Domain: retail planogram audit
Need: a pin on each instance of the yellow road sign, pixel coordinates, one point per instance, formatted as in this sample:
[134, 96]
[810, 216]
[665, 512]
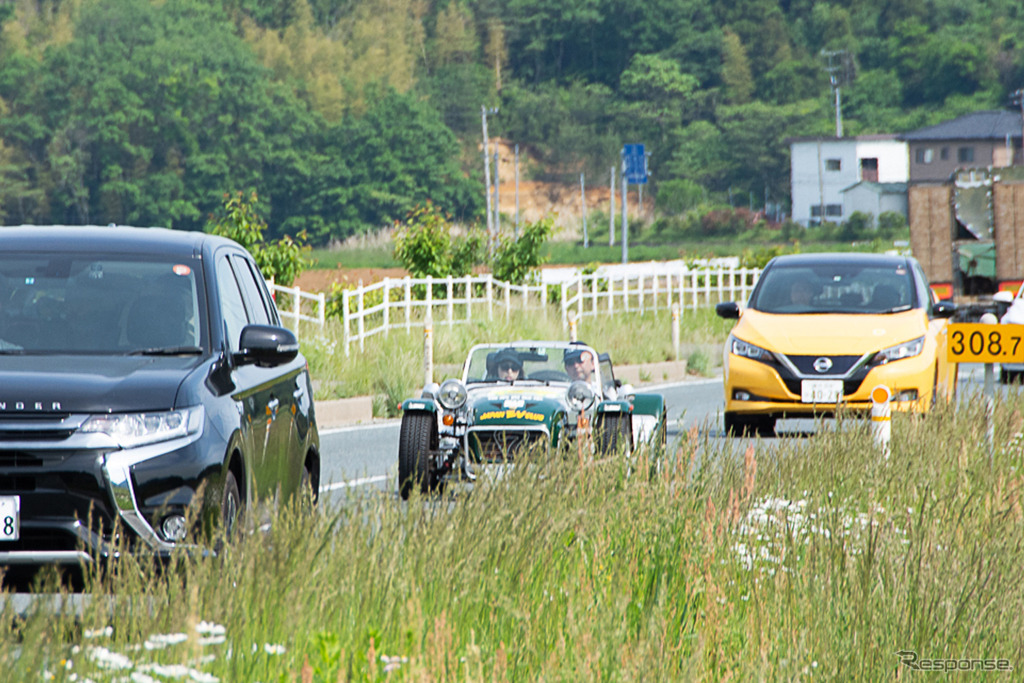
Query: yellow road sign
[983, 343]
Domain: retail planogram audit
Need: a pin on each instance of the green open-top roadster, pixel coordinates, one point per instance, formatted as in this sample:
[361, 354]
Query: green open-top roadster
[520, 400]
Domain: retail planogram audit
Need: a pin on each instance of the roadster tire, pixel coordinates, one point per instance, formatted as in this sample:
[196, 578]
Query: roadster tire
[418, 436]
[615, 431]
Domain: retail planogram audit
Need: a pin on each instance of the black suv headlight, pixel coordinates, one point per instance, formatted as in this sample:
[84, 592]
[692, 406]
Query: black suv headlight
[907, 349]
[131, 430]
[739, 347]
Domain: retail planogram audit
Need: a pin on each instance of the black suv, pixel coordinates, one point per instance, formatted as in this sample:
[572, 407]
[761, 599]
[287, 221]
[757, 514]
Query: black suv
[146, 385]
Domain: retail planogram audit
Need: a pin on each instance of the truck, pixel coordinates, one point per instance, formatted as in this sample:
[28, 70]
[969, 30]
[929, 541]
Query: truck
[968, 235]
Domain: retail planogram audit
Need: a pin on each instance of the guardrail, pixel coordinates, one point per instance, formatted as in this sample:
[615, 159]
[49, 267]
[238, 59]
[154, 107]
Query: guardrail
[413, 302]
[593, 294]
[295, 305]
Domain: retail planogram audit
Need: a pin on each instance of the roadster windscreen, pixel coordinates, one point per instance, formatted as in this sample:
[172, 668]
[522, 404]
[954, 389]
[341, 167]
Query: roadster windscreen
[531, 363]
[81, 303]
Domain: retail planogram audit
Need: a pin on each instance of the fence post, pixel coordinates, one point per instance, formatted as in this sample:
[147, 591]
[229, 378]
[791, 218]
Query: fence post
[675, 330]
[611, 295]
[565, 319]
[322, 303]
[428, 349]
[640, 282]
[572, 326]
[430, 299]
[408, 302]
[451, 301]
[346, 318]
[490, 296]
[580, 292]
[297, 309]
[694, 288]
[387, 307]
[362, 318]
[469, 298]
[508, 299]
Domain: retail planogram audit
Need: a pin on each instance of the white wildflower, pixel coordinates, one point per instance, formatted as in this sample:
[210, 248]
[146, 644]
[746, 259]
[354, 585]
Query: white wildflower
[106, 659]
[99, 632]
[161, 640]
[206, 628]
[272, 649]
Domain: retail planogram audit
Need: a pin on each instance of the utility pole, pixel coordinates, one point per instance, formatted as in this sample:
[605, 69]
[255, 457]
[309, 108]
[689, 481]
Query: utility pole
[625, 221]
[484, 111]
[840, 71]
[497, 196]
[583, 211]
[515, 228]
[611, 214]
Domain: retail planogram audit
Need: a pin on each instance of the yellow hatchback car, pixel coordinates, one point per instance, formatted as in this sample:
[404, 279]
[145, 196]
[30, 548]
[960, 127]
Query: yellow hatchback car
[820, 331]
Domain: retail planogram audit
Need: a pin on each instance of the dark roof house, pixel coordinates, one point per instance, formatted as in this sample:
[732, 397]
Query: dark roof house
[978, 139]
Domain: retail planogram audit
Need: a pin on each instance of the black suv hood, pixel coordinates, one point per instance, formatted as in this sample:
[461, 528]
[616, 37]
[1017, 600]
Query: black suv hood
[35, 384]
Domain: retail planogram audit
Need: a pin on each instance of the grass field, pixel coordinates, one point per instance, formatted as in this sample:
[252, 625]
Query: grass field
[788, 559]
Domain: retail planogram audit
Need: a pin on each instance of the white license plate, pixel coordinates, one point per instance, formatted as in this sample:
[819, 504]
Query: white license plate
[829, 391]
[10, 518]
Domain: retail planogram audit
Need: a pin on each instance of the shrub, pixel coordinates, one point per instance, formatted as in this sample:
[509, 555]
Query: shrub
[282, 260]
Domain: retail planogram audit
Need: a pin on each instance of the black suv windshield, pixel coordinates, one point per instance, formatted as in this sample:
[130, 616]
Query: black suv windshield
[94, 303]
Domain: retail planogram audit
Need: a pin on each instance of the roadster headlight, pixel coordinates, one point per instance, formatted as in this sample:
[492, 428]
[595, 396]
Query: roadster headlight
[452, 394]
[580, 395]
[138, 429]
[748, 350]
[908, 349]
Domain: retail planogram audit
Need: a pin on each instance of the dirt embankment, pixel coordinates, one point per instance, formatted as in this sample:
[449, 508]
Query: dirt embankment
[536, 200]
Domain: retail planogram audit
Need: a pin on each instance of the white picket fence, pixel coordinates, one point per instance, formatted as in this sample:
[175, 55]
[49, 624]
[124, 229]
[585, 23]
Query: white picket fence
[409, 302]
[413, 302]
[297, 306]
[596, 294]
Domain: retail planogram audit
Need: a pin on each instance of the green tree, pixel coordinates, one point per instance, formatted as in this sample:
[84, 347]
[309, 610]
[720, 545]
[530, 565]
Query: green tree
[240, 221]
[423, 244]
[739, 82]
[517, 260]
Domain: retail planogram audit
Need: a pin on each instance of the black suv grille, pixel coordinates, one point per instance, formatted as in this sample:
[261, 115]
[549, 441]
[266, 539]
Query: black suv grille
[49, 427]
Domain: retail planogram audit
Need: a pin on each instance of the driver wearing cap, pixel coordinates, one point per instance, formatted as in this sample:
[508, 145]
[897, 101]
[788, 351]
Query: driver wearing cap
[579, 363]
[509, 366]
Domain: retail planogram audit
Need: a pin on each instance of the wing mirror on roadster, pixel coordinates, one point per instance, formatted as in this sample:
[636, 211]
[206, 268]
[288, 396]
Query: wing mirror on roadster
[267, 346]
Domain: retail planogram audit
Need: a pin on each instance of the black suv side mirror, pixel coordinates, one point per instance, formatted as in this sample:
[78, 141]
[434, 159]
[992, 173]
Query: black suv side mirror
[266, 346]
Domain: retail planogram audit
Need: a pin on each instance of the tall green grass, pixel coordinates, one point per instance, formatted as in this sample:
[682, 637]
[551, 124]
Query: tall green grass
[391, 367]
[788, 559]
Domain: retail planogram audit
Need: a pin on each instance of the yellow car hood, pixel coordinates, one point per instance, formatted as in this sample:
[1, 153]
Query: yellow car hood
[828, 333]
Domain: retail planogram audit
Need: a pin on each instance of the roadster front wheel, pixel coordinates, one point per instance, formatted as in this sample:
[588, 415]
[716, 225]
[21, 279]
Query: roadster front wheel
[416, 439]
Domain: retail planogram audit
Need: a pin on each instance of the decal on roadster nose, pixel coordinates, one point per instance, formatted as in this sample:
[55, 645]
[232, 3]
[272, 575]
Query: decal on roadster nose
[511, 415]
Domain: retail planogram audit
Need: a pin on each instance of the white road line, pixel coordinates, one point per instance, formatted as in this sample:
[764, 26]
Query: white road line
[354, 482]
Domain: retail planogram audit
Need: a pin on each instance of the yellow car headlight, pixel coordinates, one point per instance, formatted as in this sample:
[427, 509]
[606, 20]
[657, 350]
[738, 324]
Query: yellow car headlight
[739, 347]
[908, 349]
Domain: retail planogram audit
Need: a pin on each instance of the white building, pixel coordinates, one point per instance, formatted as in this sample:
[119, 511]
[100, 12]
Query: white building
[821, 168]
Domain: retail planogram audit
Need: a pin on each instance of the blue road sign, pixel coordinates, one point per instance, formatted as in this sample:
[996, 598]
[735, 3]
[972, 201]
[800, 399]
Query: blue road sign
[634, 164]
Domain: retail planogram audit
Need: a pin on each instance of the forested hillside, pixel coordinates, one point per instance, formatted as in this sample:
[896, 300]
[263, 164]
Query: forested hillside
[344, 114]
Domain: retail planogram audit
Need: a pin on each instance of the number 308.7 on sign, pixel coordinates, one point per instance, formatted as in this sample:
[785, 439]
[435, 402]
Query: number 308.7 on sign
[981, 343]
